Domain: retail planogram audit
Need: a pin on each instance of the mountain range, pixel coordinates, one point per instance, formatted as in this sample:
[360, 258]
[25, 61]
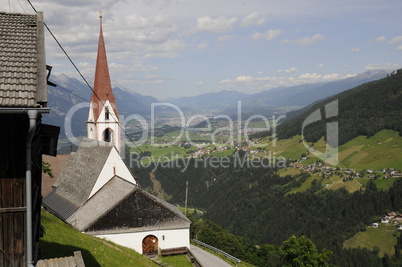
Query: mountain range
[276, 100]
[70, 91]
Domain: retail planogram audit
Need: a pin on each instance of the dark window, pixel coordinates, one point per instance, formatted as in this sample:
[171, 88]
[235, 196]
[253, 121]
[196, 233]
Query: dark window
[107, 135]
[106, 114]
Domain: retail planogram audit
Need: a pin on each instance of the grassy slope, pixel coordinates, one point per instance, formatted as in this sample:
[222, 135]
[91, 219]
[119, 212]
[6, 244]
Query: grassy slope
[177, 260]
[382, 150]
[61, 240]
[384, 237]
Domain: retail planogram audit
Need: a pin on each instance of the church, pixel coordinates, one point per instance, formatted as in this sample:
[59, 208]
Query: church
[96, 192]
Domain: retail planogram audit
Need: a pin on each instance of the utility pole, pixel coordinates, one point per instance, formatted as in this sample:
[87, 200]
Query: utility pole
[185, 203]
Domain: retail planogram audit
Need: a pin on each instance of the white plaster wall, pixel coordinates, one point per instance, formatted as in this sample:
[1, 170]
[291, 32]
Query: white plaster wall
[113, 163]
[173, 238]
[103, 124]
[91, 123]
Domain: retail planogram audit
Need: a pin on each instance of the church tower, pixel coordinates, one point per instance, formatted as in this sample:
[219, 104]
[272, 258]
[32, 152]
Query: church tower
[103, 118]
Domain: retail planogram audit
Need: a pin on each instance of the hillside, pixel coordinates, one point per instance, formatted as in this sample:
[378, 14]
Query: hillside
[381, 150]
[363, 110]
[285, 202]
[384, 237]
[61, 240]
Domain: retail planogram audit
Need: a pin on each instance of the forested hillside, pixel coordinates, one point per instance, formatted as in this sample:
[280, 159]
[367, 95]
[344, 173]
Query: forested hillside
[265, 209]
[253, 202]
[363, 110]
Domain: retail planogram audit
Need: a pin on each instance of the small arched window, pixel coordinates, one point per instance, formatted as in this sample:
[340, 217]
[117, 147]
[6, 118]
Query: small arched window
[107, 114]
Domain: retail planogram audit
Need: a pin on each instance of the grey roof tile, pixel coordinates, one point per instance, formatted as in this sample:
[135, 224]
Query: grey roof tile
[18, 59]
[59, 205]
[111, 195]
[82, 169]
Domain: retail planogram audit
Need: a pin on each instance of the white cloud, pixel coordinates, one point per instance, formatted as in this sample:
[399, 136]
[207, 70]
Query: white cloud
[268, 35]
[203, 45]
[400, 48]
[332, 76]
[218, 25]
[167, 49]
[395, 40]
[292, 69]
[263, 83]
[349, 76]
[244, 79]
[143, 29]
[305, 40]
[200, 83]
[252, 19]
[355, 50]
[320, 66]
[312, 76]
[379, 39]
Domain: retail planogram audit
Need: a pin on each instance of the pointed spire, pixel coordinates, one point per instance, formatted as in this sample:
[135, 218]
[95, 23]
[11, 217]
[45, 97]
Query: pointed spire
[102, 84]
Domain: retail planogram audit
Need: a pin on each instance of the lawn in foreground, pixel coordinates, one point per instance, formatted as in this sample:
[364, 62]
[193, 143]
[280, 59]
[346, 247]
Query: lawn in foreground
[61, 240]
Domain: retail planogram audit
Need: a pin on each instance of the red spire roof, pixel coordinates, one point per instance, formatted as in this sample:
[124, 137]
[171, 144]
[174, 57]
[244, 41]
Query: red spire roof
[102, 85]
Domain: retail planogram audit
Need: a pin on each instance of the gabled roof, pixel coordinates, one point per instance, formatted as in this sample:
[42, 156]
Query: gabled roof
[119, 192]
[82, 169]
[104, 200]
[22, 60]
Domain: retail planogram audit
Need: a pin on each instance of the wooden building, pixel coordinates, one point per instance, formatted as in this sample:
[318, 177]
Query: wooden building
[23, 98]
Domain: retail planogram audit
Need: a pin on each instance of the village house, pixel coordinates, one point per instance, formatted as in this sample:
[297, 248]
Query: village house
[24, 138]
[385, 219]
[97, 194]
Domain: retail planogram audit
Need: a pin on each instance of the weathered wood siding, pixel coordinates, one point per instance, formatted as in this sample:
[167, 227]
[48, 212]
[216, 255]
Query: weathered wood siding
[12, 190]
[137, 210]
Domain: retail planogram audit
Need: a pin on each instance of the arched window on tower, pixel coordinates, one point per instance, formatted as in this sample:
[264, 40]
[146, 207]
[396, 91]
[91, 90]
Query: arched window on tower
[107, 114]
[107, 135]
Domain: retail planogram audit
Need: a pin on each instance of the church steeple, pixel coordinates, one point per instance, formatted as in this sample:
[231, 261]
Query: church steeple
[103, 116]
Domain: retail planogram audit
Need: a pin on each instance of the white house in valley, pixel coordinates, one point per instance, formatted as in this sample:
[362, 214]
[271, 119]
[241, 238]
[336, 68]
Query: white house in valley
[97, 194]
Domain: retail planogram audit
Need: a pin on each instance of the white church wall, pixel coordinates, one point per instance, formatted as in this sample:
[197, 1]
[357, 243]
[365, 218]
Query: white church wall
[114, 165]
[166, 238]
[102, 124]
[91, 123]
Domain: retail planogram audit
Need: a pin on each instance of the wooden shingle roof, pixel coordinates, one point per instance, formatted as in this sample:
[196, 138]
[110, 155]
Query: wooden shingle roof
[73, 261]
[81, 170]
[117, 192]
[22, 60]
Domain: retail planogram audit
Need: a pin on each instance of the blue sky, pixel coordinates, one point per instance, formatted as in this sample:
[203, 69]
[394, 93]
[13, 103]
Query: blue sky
[172, 48]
